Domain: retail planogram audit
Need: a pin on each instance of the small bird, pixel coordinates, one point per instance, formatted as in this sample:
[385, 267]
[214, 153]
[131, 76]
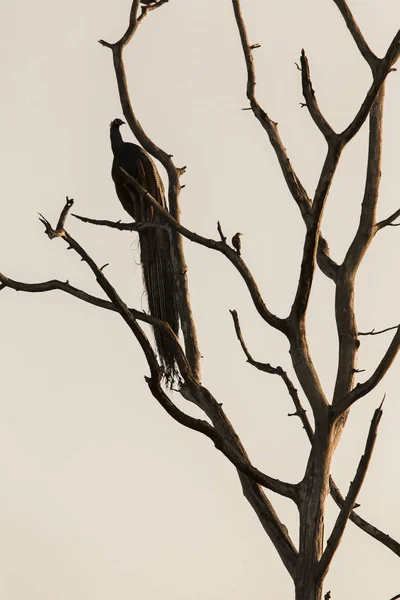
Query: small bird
[236, 243]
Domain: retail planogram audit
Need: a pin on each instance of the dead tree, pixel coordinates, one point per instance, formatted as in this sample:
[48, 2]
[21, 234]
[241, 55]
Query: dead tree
[308, 563]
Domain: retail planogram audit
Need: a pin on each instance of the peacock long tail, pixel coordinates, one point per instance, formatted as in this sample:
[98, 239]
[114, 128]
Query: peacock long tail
[159, 281]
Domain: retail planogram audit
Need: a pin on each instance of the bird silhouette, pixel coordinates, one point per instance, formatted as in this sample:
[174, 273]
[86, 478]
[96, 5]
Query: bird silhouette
[155, 243]
[236, 242]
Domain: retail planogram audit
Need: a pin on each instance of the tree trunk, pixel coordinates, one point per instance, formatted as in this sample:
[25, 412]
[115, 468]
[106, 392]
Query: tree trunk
[313, 492]
[308, 587]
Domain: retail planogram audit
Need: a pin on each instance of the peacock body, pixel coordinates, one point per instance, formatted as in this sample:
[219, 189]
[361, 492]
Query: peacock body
[155, 243]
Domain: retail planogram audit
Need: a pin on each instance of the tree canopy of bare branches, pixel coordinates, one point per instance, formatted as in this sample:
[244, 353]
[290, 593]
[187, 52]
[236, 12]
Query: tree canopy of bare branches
[308, 562]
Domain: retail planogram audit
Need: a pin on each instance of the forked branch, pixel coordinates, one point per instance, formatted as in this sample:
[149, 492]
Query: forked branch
[354, 489]
[300, 412]
[362, 389]
[371, 530]
[327, 265]
[154, 381]
[296, 188]
[311, 101]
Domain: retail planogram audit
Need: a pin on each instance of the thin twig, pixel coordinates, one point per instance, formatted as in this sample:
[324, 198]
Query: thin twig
[64, 213]
[221, 234]
[373, 332]
[311, 101]
[121, 226]
[389, 221]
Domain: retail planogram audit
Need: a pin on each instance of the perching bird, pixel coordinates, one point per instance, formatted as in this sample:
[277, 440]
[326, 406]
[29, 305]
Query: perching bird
[155, 243]
[236, 243]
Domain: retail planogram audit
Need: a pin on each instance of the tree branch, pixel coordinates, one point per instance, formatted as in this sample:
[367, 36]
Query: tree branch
[271, 524]
[311, 101]
[371, 530]
[66, 287]
[336, 145]
[389, 221]
[267, 368]
[275, 485]
[221, 233]
[356, 33]
[307, 269]
[354, 489]
[301, 359]
[380, 73]
[312, 217]
[299, 194]
[122, 226]
[344, 301]
[326, 264]
[150, 5]
[373, 332]
[297, 190]
[276, 530]
[362, 389]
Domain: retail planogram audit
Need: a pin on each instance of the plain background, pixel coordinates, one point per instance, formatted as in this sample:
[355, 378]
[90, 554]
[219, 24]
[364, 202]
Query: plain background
[102, 494]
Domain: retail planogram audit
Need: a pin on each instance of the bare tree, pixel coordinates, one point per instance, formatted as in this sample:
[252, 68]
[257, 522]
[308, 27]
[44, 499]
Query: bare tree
[309, 563]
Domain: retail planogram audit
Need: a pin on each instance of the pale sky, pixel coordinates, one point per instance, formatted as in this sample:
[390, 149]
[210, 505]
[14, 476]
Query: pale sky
[103, 495]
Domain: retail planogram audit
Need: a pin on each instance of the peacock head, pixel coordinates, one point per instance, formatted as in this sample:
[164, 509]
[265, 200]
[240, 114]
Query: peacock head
[117, 123]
